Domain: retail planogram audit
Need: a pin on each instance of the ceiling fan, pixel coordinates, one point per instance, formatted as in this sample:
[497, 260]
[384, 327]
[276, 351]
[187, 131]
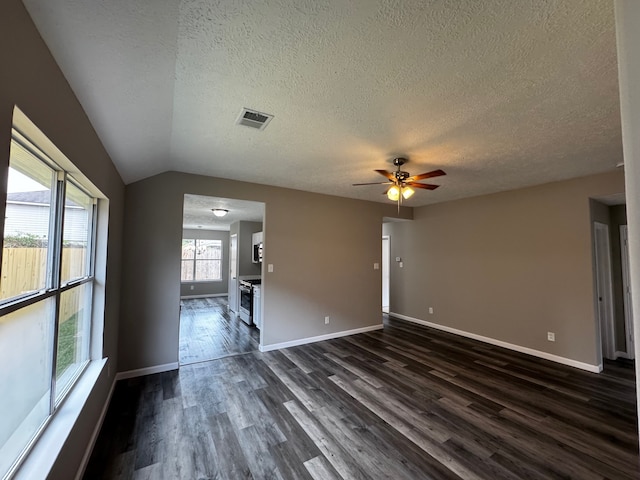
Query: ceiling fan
[402, 184]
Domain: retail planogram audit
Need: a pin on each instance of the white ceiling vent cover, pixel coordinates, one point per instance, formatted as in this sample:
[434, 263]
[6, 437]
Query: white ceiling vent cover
[254, 119]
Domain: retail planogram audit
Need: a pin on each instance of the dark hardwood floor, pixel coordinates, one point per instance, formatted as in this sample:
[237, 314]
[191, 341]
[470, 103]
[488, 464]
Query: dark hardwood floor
[406, 402]
[207, 332]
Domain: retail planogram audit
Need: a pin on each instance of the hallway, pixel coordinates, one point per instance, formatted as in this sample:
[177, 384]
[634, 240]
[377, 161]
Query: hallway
[207, 332]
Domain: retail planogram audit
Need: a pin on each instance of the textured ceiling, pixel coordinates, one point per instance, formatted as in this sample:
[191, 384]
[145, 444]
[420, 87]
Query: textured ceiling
[500, 94]
[197, 212]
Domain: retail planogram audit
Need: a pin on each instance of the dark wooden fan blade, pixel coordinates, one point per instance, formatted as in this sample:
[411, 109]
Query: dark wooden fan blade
[422, 176]
[384, 173]
[426, 186]
[370, 183]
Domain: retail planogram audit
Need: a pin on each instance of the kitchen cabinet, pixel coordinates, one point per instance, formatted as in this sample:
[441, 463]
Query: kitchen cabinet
[257, 309]
[256, 247]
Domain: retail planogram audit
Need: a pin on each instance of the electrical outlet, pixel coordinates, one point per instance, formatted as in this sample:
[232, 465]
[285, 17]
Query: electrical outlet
[401, 264]
[431, 310]
[376, 266]
[551, 336]
[326, 320]
[270, 268]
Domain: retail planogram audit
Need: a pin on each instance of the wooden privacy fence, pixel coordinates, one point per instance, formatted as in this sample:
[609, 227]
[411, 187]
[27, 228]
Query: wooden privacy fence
[24, 269]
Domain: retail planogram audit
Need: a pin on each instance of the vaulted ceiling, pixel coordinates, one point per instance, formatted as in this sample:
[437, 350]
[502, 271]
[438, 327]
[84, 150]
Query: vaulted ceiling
[500, 94]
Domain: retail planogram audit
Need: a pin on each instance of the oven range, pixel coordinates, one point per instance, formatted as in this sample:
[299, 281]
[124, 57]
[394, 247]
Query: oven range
[246, 299]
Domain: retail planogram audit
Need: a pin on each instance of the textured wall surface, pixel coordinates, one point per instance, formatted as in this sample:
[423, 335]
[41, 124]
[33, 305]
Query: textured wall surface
[31, 80]
[510, 266]
[322, 247]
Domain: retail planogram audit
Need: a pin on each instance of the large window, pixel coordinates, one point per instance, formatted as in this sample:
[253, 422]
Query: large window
[46, 284]
[201, 260]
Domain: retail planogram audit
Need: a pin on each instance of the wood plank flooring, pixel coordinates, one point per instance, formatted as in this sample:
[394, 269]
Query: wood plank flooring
[406, 402]
[207, 331]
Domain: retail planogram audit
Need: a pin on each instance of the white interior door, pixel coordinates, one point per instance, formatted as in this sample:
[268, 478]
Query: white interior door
[626, 286]
[386, 256]
[604, 290]
[233, 274]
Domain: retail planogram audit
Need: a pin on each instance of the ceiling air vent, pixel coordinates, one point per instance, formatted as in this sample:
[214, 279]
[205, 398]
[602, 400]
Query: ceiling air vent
[254, 119]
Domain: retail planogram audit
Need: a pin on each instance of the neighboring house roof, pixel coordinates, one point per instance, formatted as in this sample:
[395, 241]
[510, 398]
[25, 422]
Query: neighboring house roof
[39, 197]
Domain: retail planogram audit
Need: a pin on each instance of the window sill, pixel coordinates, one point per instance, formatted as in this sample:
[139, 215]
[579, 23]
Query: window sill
[44, 453]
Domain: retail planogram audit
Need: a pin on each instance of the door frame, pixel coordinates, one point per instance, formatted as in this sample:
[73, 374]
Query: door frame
[233, 302]
[626, 292]
[386, 272]
[604, 290]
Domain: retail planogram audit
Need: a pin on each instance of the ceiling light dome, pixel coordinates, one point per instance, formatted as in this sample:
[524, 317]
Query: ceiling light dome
[219, 212]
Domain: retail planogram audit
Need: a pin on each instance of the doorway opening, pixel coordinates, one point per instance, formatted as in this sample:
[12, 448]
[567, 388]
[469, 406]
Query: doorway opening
[216, 255]
[611, 284]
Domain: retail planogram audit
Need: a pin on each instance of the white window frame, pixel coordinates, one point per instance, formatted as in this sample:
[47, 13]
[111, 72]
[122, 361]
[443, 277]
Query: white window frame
[54, 287]
[196, 260]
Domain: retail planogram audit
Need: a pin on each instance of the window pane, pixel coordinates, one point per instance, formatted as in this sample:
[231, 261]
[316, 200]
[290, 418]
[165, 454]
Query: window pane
[188, 249]
[73, 334]
[209, 249]
[76, 234]
[208, 270]
[26, 230]
[26, 353]
[187, 271]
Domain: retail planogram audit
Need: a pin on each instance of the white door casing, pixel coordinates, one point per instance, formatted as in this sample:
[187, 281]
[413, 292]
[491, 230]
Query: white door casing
[233, 274]
[626, 286]
[386, 258]
[604, 292]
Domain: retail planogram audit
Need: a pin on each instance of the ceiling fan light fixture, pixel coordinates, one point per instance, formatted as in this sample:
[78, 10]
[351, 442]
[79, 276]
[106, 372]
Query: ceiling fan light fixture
[219, 212]
[407, 192]
[393, 193]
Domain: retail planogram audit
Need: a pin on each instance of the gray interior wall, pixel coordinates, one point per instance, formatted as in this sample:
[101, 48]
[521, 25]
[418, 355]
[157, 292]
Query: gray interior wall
[244, 230]
[323, 249]
[209, 288]
[509, 266]
[32, 81]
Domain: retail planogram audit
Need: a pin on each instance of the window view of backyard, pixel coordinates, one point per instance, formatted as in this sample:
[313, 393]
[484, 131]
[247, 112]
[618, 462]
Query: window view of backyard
[41, 262]
[201, 260]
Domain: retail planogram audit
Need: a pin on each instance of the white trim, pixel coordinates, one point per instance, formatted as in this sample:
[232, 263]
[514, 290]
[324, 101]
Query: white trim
[626, 293]
[319, 338]
[603, 289]
[518, 348]
[44, 454]
[139, 372]
[621, 355]
[96, 432]
[206, 295]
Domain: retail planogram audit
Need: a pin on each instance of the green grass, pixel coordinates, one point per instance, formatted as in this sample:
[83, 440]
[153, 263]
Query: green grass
[67, 343]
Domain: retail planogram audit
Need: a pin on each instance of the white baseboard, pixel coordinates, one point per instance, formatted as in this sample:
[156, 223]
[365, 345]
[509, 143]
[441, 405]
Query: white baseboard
[96, 432]
[147, 371]
[518, 348]
[621, 355]
[205, 295]
[319, 338]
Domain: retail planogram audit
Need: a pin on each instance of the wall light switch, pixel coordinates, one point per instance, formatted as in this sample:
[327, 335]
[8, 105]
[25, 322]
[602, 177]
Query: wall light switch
[270, 268]
[376, 266]
[398, 259]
